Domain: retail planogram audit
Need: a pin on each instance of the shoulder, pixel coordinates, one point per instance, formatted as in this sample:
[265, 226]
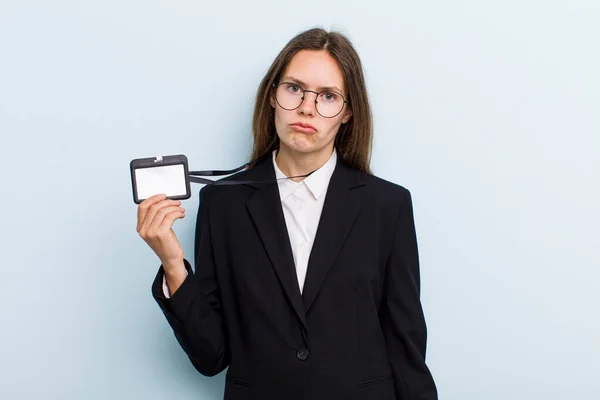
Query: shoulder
[392, 201]
[386, 192]
[218, 193]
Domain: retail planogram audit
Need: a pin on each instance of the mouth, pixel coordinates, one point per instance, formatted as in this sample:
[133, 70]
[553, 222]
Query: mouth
[305, 128]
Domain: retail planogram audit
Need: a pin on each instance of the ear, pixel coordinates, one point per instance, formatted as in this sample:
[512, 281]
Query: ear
[347, 116]
[272, 99]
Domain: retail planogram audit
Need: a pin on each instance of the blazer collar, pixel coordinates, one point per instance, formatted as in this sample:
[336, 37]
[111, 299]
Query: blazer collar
[340, 209]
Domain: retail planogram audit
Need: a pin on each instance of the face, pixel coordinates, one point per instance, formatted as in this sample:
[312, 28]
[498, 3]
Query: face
[304, 129]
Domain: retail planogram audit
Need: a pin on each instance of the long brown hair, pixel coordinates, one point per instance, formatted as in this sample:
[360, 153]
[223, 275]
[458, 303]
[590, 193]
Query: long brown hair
[354, 140]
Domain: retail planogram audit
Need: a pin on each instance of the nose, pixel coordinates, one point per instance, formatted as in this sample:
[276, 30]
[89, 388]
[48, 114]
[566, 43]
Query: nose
[308, 106]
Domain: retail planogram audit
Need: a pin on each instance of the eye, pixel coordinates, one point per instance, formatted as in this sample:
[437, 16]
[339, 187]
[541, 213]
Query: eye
[293, 88]
[330, 96]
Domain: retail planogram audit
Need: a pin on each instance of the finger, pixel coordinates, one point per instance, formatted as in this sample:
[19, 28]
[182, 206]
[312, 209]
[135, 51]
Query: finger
[145, 205]
[159, 217]
[154, 210]
[170, 218]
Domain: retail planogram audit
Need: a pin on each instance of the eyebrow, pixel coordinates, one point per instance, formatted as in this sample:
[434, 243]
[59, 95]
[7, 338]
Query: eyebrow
[298, 81]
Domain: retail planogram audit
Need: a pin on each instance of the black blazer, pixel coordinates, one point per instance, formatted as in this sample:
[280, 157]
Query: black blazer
[356, 332]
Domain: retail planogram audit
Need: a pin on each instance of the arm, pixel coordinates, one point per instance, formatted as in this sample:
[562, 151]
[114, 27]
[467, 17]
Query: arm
[401, 313]
[194, 309]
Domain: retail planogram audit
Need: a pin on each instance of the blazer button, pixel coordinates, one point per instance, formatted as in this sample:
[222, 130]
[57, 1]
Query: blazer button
[303, 354]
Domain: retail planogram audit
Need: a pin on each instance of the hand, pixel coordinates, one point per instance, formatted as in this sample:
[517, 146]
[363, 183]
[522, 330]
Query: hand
[156, 215]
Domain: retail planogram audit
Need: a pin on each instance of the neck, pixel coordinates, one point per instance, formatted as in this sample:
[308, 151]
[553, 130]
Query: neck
[293, 163]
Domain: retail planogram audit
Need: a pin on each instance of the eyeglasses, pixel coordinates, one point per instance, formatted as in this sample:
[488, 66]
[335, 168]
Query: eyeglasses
[290, 96]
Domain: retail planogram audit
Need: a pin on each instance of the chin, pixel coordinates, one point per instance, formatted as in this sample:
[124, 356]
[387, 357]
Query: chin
[301, 146]
[299, 143]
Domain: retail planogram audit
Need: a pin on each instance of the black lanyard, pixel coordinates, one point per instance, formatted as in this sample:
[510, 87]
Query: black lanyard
[194, 176]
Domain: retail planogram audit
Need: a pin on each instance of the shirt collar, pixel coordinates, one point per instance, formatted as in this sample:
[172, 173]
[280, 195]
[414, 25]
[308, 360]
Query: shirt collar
[316, 183]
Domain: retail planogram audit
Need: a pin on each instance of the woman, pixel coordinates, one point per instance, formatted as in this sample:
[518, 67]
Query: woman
[308, 287]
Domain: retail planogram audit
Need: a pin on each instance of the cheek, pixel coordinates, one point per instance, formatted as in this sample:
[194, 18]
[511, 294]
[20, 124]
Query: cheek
[278, 117]
[280, 124]
[282, 119]
[333, 126]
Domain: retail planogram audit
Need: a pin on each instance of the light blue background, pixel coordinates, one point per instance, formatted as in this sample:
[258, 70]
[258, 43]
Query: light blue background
[488, 111]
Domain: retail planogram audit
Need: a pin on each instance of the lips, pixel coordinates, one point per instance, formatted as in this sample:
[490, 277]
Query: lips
[306, 128]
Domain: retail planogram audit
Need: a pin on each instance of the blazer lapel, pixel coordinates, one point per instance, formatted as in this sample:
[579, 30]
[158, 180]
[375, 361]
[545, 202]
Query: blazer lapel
[267, 213]
[340, 209]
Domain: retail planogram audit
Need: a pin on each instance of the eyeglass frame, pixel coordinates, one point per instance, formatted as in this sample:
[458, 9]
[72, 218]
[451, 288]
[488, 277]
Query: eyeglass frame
[276, 86]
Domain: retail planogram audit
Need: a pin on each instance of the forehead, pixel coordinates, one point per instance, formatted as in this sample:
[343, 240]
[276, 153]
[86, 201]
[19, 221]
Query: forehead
[316, 68]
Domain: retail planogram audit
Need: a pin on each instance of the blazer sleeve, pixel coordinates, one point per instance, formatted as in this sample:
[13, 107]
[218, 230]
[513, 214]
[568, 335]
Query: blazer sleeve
[194, 310]
[401, 313]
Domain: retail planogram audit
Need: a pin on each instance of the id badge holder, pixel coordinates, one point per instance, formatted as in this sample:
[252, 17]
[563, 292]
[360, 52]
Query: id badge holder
[154, 175]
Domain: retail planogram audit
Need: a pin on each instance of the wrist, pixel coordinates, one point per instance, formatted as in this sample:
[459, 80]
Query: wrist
[174, 268]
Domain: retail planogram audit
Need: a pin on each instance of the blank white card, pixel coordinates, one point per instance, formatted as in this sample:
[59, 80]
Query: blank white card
[169, 179]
